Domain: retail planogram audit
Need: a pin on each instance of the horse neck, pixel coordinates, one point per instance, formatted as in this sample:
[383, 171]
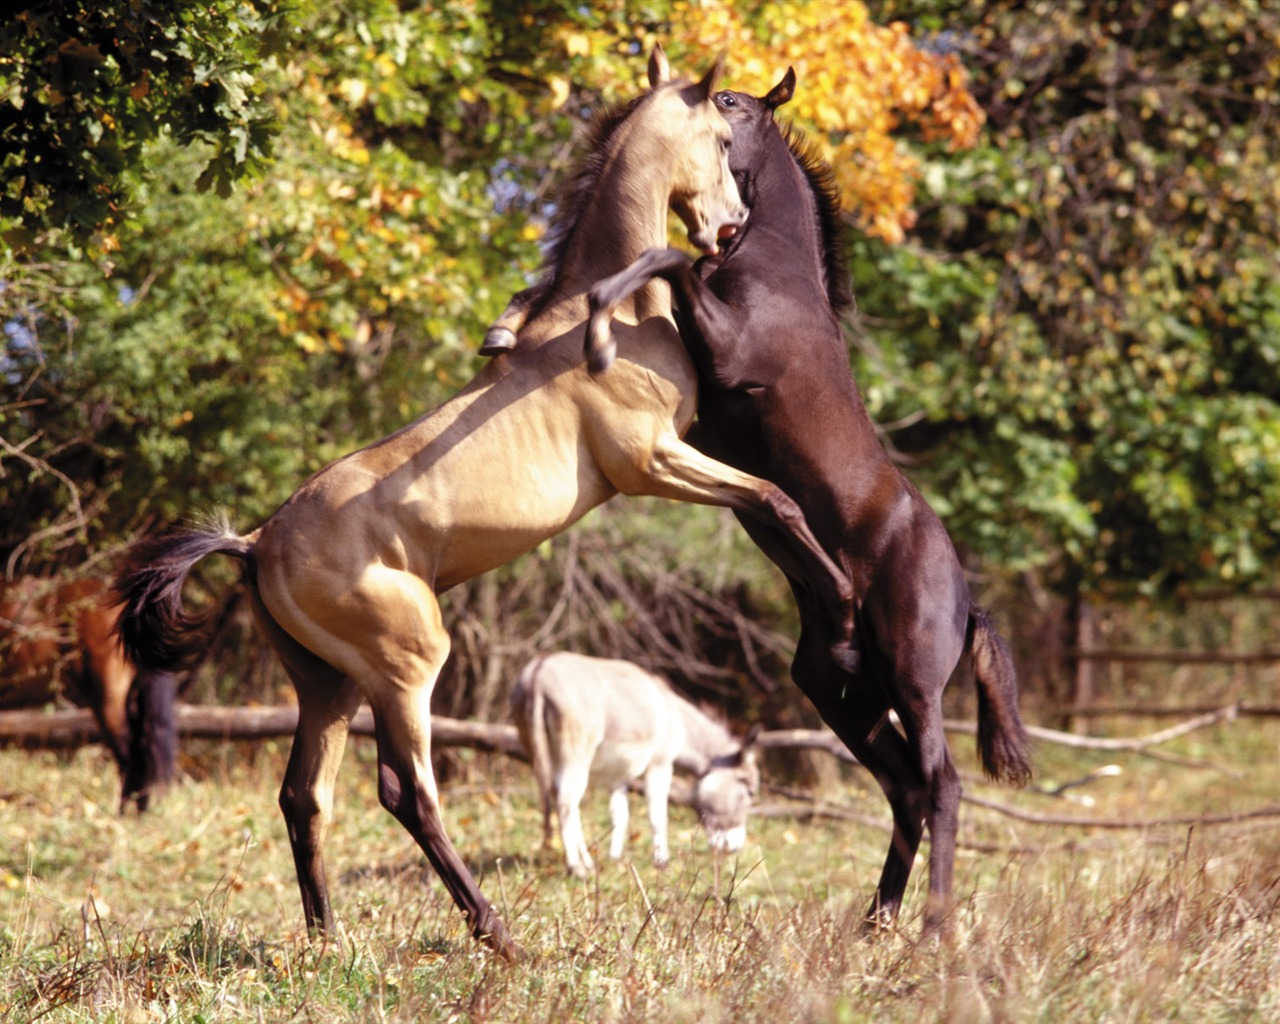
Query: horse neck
[626, 217]
[791, 211]
[704, 741]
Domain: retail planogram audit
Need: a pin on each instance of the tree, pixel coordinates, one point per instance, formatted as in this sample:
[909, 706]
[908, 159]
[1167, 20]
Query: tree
[86, 85]
[414, 158]
[1082, 332]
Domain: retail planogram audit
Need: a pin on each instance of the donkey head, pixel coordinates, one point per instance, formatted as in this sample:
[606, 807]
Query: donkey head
[724, 793]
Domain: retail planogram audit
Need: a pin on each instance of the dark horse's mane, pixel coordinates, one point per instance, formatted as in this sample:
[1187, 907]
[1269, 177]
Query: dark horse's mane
[826, 195]
[572, 197]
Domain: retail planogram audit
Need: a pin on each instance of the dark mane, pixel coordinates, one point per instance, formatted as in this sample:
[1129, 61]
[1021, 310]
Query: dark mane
[572, 197]
[826, 195]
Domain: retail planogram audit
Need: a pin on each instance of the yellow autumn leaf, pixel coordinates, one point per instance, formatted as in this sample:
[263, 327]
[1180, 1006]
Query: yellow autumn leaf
[577, 44]
[559, 90]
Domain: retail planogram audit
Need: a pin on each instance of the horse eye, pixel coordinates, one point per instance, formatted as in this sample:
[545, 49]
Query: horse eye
[727, 99]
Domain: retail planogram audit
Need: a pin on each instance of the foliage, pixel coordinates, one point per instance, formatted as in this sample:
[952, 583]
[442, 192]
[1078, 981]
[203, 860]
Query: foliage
[1065, 265]
[1083, 330]
[864, 88]
[414, 164]
[84, 85]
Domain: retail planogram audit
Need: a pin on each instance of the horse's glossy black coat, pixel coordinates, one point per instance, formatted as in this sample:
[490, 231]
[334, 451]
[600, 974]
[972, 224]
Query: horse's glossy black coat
[761, 321]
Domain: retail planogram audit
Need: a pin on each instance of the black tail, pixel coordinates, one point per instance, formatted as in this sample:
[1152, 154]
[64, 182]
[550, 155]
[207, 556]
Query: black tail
[1002, 741]
[155, 631]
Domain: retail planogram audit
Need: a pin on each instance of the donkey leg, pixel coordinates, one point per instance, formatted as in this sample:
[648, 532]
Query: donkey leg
[571, 787]
[619, 819]
[657, 790]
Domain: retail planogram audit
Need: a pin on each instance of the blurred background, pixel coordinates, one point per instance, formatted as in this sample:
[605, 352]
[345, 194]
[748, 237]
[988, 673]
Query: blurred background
[241, 238]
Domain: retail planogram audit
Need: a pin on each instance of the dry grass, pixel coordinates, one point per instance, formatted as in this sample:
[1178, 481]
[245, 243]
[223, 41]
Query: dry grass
[191, 913]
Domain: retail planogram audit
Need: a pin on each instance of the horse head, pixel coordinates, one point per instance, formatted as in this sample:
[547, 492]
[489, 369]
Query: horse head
[751, 120]
[703, 191]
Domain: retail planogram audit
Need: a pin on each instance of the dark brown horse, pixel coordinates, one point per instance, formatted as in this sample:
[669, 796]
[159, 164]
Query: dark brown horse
[777, 400]
[57, 639]
[344, 578]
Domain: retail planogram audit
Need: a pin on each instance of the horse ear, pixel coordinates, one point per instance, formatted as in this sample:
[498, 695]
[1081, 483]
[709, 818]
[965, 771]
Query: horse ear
[659, 67]
[783, 91]
[708, 84]
[749, 743]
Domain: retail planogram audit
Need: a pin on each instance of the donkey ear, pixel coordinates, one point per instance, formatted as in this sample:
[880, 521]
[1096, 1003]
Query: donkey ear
[659, 68]
[783, 91]
[708, 84]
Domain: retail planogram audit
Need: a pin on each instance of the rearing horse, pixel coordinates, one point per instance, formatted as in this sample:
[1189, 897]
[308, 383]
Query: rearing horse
[344, 578]
[777, 399]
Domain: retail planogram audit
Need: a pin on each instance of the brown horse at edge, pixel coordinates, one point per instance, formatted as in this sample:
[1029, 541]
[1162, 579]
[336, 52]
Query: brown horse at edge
[57, 639]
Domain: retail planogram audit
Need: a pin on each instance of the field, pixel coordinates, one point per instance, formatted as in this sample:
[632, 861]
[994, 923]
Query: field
[191, 913]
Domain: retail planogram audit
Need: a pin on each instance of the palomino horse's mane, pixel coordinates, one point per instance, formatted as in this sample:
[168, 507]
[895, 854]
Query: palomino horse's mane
[572, 197]
[826, 195]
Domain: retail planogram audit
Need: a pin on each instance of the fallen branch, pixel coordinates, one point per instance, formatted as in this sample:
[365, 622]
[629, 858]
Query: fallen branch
[1114, 823]
[1132, 743]
[59, 730]
[71, 728]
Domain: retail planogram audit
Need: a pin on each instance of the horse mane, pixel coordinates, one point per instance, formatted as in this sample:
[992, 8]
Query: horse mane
[572, 197]
[826, 195]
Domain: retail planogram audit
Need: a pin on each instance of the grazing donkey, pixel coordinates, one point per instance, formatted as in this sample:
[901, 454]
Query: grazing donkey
[610, 722]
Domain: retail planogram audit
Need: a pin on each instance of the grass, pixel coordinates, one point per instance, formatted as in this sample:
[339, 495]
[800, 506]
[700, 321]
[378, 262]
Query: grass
[191, 913]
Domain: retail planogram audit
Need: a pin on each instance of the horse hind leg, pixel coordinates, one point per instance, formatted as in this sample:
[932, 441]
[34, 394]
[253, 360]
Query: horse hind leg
[327, 701]
[857, 710]
[400, 695]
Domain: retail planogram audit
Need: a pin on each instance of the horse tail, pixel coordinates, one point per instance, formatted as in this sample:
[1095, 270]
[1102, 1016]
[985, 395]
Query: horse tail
[533, 727]
[1002, 741]
[155, 631]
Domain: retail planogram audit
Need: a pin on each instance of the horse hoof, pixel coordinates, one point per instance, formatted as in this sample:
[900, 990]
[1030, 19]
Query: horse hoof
[600, 359]
[846, 656]
[498, 340]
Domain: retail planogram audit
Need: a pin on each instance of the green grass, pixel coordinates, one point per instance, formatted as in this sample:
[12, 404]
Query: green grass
[191, 913]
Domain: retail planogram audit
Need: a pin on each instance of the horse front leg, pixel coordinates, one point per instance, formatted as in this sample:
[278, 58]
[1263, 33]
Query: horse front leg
[676, 470]
[608, 294]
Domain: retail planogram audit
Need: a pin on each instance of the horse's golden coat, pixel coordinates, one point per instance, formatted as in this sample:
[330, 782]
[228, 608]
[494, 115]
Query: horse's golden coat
[344, 577]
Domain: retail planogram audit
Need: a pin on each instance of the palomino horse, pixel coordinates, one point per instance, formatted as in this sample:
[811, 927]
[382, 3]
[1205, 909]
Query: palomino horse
[56, 638]
[777, 399]
[344, 577]
[608, 722]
